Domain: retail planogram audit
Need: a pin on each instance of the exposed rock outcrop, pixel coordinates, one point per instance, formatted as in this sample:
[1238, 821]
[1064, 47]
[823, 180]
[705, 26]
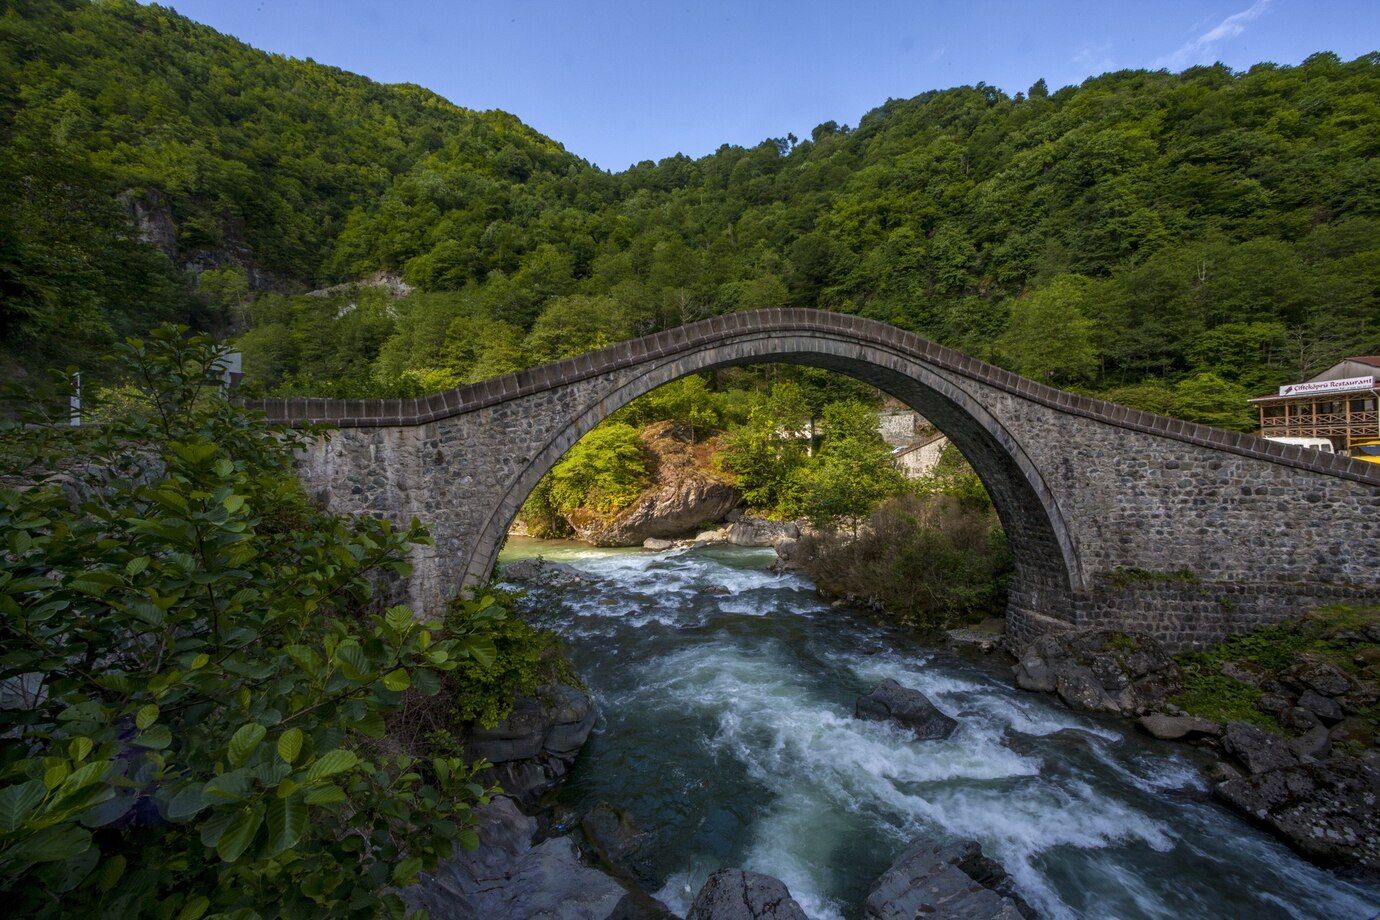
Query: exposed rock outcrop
[532, 748]
[686, 493]
[945, 881]
[1100, 670]
[510, 876]
[1329, 810]
[1175, 728]
[889, 701]
[733, 894]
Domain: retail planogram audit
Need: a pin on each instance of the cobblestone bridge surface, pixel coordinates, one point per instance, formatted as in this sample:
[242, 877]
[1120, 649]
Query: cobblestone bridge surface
[1115, 516]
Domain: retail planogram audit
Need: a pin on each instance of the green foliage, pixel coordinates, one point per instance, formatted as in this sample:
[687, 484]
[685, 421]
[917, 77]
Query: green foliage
[200, 670]
[1209, 399]
[1050, 337]
[603, 473]
[514, 659]
[952, 476]
[1137, 230]
[929, 561]
[1337, 635]
[852, 474]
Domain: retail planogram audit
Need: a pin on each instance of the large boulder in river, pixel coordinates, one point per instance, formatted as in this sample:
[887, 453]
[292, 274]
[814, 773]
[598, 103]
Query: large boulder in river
[686, 493]
[510, 876]
[733, 894]
[532, 748]
[945, 881]
[889, 701]
[540, 572]
[753, 531]
[1100, 670]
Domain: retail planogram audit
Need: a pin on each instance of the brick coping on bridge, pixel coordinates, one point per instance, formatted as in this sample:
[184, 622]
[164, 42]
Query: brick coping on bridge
[388, 413]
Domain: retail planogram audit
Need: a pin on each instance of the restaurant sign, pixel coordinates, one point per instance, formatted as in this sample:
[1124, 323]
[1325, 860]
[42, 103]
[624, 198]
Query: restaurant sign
[1328, 386]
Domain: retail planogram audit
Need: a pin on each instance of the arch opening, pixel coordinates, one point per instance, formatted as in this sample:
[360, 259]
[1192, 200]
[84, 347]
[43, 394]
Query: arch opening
[1047, 570]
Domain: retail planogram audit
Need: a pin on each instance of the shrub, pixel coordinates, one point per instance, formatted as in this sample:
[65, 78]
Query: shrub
[197, 673]
[931, 561]
[603, 473]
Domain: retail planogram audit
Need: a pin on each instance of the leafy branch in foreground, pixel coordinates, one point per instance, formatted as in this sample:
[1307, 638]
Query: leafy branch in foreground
[196, 673]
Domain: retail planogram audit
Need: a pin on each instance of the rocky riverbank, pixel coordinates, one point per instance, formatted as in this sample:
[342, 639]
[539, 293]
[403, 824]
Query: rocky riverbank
[1299, 757]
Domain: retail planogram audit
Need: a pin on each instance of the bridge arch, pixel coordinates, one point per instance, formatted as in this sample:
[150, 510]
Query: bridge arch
[1045, 554]
[1116, 517]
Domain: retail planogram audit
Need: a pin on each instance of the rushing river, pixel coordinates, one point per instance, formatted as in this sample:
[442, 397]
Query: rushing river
[725, 695]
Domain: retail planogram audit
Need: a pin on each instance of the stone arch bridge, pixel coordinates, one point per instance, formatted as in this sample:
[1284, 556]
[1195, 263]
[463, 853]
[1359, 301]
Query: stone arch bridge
[1116, 517]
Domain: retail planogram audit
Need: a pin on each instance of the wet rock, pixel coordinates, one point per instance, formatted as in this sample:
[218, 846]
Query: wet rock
[986, 636]
[1172, 728]
[733, 894]
[657, 544]
[507, 876]
[532, 748]
[787, 549]
[719, 535]
[1326, 809]
[889, 701]
[945, 881]
[1255, 749]
[1298, 719]
[1272, 704]
[542, 572]
[617, 842]
[1100, 670]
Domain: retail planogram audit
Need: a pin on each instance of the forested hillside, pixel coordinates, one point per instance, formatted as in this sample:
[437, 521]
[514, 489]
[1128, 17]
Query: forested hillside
[1176, 241]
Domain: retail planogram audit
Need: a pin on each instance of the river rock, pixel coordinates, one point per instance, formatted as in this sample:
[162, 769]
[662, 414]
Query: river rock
[945, 881]
[1100, 670]
[657, 544]
[1173, 728]
[889, 701]
[508, 876]
[1328, 710]
[752, 531]
[542, 572]
[1255, 749]
[617, 843]
[532, 748]
[734, 894]
[1326, 809]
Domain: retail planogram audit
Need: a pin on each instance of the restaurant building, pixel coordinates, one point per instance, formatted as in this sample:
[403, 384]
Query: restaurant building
[1339, 404]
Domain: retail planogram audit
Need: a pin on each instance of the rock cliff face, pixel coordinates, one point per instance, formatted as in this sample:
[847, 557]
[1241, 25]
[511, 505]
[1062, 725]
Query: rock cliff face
[686, 493]
[533, 747]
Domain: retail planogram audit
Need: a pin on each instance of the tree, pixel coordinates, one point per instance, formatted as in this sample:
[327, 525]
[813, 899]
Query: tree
[604, 472]
[201, 670]
[1210, 400]
[1049, 337]
[851, 475]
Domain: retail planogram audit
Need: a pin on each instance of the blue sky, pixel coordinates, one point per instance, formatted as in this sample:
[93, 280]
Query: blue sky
[618, 81]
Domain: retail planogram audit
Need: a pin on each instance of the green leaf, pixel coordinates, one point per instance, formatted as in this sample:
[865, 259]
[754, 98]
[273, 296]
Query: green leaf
[187, 803]
[18, 802]
[326, 795]
[399, 618]
[331, 763]
[468, 838]
[397, 680]
[53, 844]
[54, 775]
[405, 872]
[79, 748]
[290, 744]
[146, 716]
[110, 873]
[239, 833]
[287, 819]
[157, 737]
[243, 743]
[137, 565]
[194, 908]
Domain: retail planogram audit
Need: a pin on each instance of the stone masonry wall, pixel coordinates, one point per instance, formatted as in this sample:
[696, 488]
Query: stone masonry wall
[1116, 517]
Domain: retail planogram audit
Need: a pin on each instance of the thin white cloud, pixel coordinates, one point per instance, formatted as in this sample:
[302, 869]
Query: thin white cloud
[1093, 58]
[1202, 49]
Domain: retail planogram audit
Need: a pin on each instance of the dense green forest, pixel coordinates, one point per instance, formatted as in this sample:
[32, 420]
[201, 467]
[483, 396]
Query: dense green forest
[1175, 241]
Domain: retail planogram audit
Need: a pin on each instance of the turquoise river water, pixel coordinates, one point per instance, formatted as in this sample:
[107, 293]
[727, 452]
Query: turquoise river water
[725, 695]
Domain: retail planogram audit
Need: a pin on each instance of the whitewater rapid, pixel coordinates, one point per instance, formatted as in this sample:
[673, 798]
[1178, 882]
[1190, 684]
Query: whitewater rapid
[725, 694]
